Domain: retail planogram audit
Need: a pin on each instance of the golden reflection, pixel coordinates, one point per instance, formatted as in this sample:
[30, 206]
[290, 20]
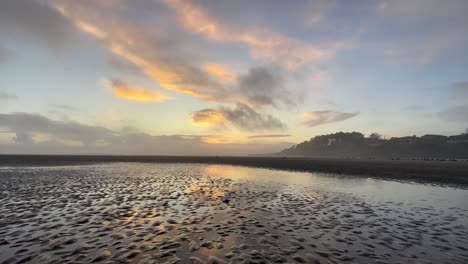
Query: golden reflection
[233, 172]
[209, 192]
[257, 174]
[217, 169]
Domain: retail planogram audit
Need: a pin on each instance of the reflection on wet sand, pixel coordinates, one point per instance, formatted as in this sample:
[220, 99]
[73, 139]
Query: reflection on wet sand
[189, 213]
[206, 192]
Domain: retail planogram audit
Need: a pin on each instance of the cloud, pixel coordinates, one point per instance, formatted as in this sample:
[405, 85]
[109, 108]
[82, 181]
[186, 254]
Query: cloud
[162, 54]
[32, 20]
[242, 117]
[219, 71]
[7, 96]
[317, 118]
[264, 44]
[245, 118]
[123, 90]
[261, 87]
[270, 136]
[180, 77]
[166, 56]
[208, 117]
[37, 134]
[28, 124]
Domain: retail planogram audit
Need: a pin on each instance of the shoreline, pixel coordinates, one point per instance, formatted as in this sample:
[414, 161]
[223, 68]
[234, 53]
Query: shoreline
[447, 172]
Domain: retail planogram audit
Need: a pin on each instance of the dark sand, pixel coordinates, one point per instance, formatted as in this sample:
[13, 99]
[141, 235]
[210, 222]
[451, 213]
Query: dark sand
[448, 172]
[199, 213]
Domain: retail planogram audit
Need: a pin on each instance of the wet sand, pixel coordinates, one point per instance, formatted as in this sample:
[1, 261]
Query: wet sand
[200, 213]
[446, 172]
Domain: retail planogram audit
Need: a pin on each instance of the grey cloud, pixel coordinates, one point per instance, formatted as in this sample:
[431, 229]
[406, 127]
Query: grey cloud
[7, 96]
[100, 140]
[32, 20]
[245, 118]
[317, 118]
[28, 124]
[270, 136]
[241, 116]
[261, 86]
[24, 138]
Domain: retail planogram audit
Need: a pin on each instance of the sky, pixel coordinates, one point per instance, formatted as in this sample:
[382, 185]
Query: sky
[219, 77]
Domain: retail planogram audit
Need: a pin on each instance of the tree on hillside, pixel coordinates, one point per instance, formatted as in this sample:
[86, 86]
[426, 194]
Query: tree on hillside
[375, 136]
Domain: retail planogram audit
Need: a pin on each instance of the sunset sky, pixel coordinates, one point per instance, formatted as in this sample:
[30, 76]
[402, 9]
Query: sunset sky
[226, 77]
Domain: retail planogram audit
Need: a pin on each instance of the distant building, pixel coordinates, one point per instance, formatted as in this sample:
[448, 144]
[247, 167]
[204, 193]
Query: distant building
[404, 140]
[429, 138]
[463, 138]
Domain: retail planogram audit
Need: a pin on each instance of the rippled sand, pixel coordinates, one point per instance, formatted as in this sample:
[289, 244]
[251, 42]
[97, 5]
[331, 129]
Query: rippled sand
[189, 213]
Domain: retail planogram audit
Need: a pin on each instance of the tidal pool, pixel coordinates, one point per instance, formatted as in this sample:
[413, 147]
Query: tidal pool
[199, 213]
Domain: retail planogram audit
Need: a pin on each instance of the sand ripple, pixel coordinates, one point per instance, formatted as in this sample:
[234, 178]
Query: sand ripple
[167, 213]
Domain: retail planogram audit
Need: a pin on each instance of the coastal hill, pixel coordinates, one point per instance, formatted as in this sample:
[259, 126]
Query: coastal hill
[356, 145]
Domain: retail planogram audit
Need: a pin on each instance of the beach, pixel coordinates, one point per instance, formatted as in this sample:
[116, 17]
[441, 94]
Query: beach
[123, 212]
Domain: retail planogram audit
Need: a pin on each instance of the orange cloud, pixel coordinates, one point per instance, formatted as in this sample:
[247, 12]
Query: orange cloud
[164, 75]
[219, 71]
[134, 44]
[139, 94]
[168, 66]
[273, 47]
[88, 28]
[208, 117]
[82, 25]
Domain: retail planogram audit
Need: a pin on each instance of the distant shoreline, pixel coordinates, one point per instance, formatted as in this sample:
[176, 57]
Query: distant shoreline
[447, 172]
